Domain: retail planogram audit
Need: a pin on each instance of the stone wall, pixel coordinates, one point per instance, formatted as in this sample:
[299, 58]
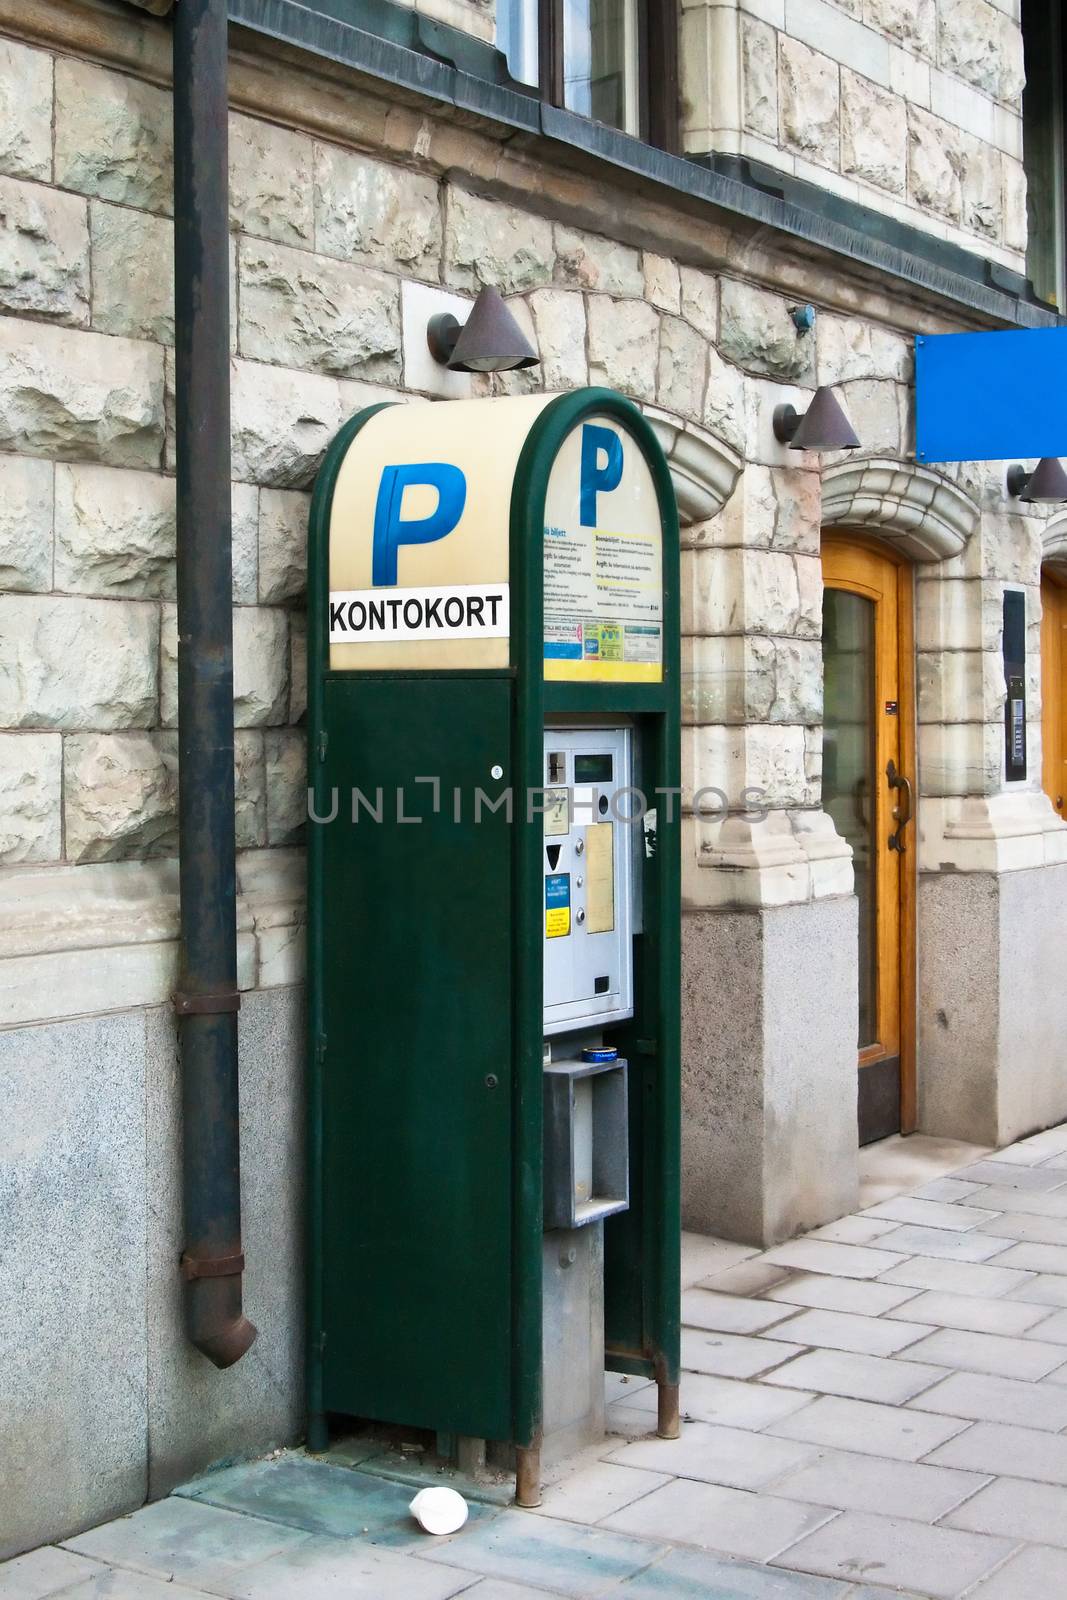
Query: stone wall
[911, 107]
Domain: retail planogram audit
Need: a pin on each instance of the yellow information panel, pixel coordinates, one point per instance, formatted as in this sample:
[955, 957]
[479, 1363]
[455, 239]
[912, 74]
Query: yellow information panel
[600, 878]
[603, 560]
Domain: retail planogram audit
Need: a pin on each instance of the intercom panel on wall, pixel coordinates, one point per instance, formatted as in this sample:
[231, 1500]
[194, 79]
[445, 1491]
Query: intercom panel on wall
[588, 877]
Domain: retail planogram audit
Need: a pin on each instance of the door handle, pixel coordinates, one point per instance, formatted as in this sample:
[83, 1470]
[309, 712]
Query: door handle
[901, 811]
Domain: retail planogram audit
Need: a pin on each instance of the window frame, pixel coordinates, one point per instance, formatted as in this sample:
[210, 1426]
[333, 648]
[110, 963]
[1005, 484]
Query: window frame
[657, 67]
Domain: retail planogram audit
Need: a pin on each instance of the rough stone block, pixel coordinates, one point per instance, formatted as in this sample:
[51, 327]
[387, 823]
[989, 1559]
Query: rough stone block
[747, 679]
[912, 22]
[283, 527]
[935, 160]
[700, 301]
[662, 282]
[260, 667]
[250, 789]
[271, 181]
[963, 758]
[1015, 223]
[244, 501]
[286, 762]
[874, 133]
[758, 333]
[808, 90]
[31, 767]
[875, 409]
[199, 1415]
[759, 77]
[120, 796]
[300, 310]
[114, 532]
[559, 330]
[767, 762]
[113, 136]
[73, 663]
[282, 422]
[367, 211]
[25, 111]
[44, 253]
[724, 401]
[298, 667]
[682, 373]
[981, 189]
[586, 261]
[71, 394]
[623, 345]
[488, 241]
[978, 43]
[26, 500]
[133, 273]
[73, 1411]
[849, 348]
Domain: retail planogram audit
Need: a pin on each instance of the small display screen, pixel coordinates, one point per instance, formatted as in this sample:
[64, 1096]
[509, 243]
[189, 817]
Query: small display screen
[592, 769]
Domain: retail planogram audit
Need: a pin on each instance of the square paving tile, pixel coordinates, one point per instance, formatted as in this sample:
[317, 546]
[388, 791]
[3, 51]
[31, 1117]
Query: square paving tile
[852, 1230]
[1015, 1509]
[326, 1569]
[1051, 1330]
[859, 1377]
[984, 1399]
[41, 1572]
[714, 1454]
[940, 1562]
[1031, 1575]
[494, 1589]
[931, 1213]
[838, 1260]
[563, 1556]
[1027, 1202]
[692, 1575]
[116, 1584]
[184, 1539]
[622, 1387]
[1008, 1451]
[1026, 1228]
[841, 1330]
[747, 1278]
[706, 1398]
[963, 1351]
[1009, 1317]
[729, 1313]
[861, 1297]
[944, 1243]
[731, 1521]
[946, 1189]
[729, 1355]
[1008, 1175]
[899, 1434]
[1042, 1289]
[852, 1482]
[957, 1277]
[1037, 1257]
[316, 1498]
[701, 1256]
[598, 1490]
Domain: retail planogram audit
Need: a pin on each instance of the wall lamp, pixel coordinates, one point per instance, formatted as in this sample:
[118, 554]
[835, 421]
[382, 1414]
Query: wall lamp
[489, 341]
[1048, 481]
[823, 426]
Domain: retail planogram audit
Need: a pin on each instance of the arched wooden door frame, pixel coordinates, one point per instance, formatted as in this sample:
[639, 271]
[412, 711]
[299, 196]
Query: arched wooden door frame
[1054, 685]
[888, 581]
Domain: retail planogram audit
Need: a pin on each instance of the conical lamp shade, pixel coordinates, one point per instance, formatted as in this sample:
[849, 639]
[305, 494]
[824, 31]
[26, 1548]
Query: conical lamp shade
[491, 340]
[1048, 481]
[824, 425]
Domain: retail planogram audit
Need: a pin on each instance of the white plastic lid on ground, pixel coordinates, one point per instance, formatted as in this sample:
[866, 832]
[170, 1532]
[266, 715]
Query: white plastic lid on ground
[439, 1510]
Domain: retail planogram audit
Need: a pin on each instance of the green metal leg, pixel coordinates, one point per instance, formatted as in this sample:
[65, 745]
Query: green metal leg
[318, 1432]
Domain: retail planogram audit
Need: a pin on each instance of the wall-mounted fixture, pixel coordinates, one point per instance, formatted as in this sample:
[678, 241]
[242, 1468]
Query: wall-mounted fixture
[803, 318]
[1048, 481]
[823, 426]
[489, 341]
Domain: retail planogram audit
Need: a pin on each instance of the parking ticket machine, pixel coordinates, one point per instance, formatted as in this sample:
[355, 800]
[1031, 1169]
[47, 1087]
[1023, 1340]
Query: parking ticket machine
[493, 923]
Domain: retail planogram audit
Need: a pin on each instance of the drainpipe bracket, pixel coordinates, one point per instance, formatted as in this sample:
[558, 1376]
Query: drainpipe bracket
[211, 1266]
[199, 1005]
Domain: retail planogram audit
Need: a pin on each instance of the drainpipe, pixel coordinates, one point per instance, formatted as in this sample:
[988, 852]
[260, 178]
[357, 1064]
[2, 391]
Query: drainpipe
[207, 1000]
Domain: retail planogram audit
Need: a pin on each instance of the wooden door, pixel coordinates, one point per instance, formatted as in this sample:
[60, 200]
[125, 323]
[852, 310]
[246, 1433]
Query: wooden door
[1054, 690]
[868, 790]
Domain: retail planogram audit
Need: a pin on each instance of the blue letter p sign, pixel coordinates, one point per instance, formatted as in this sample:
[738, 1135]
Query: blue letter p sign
[601, 468]
[390, 531]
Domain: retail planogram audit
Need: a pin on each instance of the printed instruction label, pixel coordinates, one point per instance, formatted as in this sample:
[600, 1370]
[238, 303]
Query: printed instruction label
[603, 596]
[557, 905]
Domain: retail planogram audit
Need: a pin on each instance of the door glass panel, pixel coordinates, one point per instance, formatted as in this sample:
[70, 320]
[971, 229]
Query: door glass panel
[600, 61]
[848, 633]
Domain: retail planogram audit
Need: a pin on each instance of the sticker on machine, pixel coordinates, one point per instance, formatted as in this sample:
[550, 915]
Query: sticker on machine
[456, 611]
[557, 905]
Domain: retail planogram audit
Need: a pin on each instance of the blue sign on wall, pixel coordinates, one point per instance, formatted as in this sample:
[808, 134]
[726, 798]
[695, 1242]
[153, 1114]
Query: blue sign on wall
[991, 396]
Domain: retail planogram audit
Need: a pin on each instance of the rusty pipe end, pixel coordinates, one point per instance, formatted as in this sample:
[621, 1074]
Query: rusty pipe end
[224, 1346]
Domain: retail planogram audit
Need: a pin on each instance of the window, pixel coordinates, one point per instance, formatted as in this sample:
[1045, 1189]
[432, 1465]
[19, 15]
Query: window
[1043, 150]
[614, 61]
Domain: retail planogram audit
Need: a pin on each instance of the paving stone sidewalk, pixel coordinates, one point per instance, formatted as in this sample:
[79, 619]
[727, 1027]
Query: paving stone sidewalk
[877, 1408]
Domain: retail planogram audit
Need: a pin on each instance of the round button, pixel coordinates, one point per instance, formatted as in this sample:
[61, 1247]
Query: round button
[579, 916]
[496, 771]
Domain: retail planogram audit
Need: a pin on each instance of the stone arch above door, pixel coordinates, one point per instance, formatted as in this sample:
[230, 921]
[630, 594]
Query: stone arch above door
[1054, 543]
[704, 470]
[919, 512]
